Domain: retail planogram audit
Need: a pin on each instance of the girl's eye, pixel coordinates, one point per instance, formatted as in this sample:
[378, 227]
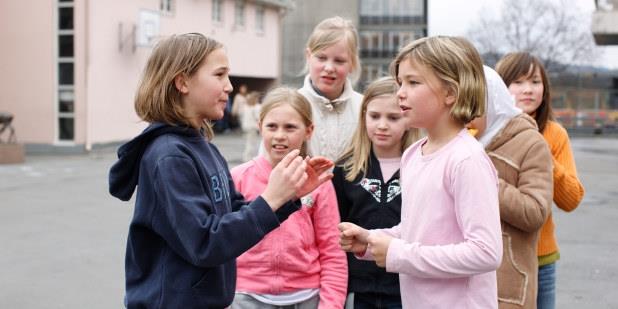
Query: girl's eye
[321, 58]
[394, 118]
[374, 116]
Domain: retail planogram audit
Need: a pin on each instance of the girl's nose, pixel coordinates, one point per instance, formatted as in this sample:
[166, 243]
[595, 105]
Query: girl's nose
[400, 94]
[279, 135]
[228, 86]
[328, 66]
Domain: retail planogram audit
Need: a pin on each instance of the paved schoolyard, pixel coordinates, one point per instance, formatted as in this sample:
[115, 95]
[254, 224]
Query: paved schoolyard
[63, 236]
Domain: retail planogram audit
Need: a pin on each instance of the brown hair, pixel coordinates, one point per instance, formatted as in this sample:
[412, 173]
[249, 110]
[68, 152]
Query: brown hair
[287, 96]
[157, 98]
[356, 155]
[522, 64]
[457, 64]
[332, 30]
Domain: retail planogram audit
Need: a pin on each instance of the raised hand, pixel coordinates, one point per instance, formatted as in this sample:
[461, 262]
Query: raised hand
[353, 238]
[286, 178]
[318, 171]
[378, 246]
[320, 164]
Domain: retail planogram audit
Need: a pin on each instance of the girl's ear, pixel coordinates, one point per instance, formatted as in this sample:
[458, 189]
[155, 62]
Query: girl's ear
[307, 53]
[260, 127]
[308, 132]
[180, 81]
[451, 96]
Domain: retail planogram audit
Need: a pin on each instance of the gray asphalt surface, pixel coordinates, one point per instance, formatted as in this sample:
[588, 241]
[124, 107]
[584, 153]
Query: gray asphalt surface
[63, 236]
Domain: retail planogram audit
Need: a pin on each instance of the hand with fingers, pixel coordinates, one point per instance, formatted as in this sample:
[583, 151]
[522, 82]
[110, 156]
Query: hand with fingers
[319, 170]
[286, 179]
[353, 238]
[378, 246]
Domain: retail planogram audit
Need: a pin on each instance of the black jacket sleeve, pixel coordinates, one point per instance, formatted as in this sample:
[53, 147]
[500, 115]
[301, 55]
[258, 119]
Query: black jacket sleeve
[339, 182]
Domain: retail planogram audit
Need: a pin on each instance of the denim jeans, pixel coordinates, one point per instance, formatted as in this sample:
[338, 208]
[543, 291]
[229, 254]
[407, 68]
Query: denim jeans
[546, 298]
[375, 301]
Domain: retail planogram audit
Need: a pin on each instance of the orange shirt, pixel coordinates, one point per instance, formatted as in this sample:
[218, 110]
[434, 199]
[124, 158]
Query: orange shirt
[568, 190]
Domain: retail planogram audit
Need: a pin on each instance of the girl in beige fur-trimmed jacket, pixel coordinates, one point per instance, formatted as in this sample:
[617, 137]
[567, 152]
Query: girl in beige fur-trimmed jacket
[523, 161]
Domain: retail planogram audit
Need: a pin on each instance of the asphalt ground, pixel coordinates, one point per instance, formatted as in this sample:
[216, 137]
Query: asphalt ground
[63, 237]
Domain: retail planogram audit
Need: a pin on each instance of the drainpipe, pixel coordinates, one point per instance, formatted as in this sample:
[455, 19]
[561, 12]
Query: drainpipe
[86, 11]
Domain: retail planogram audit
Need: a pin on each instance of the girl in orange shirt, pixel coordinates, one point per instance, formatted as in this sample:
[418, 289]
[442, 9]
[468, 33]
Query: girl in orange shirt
[527, 81]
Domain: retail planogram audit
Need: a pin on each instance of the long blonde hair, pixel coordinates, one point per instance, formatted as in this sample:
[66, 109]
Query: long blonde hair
[287, 96]
[356, 155]
[157, 99]
[457, 64]
[333, 30]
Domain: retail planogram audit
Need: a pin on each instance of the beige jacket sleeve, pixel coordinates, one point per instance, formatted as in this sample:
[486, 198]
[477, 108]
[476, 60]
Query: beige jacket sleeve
[528, 204]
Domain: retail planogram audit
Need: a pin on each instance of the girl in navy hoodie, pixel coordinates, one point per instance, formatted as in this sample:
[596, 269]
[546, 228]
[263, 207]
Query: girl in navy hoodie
[189, 223]
[367, 185]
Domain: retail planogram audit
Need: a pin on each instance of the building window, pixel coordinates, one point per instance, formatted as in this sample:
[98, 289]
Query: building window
[65, 105]
[65, 72]
[239, 13]
[385, 44]
[396, 12]
[166, 6]
[371, 72]
[65, 17]
[259, 19]
[217, 11]
[65, 46]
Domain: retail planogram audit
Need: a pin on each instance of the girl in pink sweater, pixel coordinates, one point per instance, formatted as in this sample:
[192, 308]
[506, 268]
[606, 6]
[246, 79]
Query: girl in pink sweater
[448, 245]
[299, 264]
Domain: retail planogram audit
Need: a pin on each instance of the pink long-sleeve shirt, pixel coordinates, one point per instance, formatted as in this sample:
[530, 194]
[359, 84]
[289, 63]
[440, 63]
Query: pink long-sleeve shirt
[303, 253]
[448, 244]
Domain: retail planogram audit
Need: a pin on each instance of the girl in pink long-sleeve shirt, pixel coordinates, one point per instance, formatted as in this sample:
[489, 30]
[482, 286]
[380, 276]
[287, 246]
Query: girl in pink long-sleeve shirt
[299, 264]
[448, 245]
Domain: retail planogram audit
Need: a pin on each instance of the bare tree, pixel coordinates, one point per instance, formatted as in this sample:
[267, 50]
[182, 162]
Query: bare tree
[555, 31]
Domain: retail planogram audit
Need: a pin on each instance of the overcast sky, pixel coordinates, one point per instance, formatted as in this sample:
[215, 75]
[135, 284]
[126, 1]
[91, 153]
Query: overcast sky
[453, 17]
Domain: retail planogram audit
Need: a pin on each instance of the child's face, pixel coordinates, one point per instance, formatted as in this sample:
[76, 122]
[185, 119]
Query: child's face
[329, 68]
[385, 125]
[423, 99]
[282, 131]
[528, 91]
[206, 93]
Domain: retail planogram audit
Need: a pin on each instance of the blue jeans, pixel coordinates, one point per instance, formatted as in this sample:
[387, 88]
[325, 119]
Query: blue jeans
[546, 298]
[376, 301]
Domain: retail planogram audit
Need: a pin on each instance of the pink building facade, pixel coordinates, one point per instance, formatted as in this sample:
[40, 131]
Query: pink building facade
[71, 67]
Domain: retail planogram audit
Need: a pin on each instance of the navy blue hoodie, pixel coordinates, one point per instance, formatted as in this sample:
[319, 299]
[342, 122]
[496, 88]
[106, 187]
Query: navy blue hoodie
[189, 223]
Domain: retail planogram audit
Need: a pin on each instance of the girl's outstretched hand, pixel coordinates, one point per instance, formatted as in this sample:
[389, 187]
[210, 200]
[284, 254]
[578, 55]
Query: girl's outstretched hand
[286, 178]
[318, 171]
[353, 238]
[320, 164]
